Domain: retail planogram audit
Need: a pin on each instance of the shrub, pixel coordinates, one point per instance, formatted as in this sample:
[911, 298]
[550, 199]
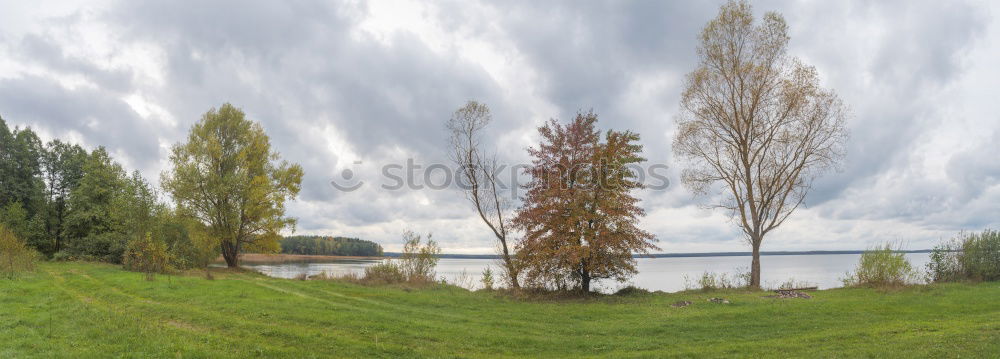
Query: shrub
[631, 290]
[419, 259]
[970, 256]
[15, 256]
[882, 266]
[386, 272]
[713, 281]
[487, 278]
[415, 265]
[147, 255]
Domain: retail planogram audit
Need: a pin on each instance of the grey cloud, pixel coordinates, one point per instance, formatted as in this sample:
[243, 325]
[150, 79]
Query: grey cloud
[303, 68]
[99, 116]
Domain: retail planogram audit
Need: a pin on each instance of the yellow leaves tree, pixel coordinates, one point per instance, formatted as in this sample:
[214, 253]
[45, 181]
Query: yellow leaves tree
[756, 128]
[229, 179]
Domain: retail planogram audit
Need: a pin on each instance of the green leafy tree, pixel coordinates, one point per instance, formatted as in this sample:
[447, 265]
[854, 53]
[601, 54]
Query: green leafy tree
[227, 176]
[62, 164]
[95, 226]
[20, 169]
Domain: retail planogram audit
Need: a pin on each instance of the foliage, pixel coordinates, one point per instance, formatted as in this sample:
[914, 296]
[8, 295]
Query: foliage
[709, 281]
[330, 246]
[755, 148]
[385, 272]
[579, 217]
[96, 224]
[15, 218]
[970, 256]
[414, 266]
[631, 290]
[15, 256]
[71, 204]
[63, 166]
[227, 176]
[487, 280]
[147, 255]
[20, 169]
[418, 260]
[882, 266]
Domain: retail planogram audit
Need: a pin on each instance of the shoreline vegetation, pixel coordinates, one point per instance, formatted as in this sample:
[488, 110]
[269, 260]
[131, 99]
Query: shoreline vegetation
[265, 258]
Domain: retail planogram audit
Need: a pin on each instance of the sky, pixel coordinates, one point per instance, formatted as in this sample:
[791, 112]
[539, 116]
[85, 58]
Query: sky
[347, 88]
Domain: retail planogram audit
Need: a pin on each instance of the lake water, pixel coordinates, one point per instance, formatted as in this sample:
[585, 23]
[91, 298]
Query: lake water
[666, 274]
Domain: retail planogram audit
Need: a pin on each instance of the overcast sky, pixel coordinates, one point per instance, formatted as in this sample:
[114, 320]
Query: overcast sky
[359, 85]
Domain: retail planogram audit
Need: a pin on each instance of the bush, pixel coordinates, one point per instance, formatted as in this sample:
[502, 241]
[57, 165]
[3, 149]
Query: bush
[631, 290]
[713, 281]
[487, 280]
[386, 272]
[146, 255]
[15, 256]
[882, 266]
[970, 256]
[415, 265]
[419, 259]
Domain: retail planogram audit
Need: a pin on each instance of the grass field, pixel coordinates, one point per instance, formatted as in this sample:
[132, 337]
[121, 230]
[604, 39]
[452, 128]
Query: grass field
[94, 310]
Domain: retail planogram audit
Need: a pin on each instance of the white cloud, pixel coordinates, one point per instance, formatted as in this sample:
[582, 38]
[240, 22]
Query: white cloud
[373, 82]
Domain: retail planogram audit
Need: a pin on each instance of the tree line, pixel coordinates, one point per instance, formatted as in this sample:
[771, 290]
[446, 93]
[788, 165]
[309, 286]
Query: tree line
[228, 190]
[330, 246]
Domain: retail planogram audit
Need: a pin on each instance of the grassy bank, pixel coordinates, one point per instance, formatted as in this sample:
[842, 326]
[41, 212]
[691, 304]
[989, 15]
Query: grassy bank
[94, 310]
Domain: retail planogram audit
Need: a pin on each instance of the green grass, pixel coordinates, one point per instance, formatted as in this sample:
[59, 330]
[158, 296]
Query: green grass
[93, 310]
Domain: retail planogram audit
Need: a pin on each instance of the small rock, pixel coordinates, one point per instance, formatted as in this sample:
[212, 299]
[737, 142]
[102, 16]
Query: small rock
[782, 294]
[718, 300]
[681, 304]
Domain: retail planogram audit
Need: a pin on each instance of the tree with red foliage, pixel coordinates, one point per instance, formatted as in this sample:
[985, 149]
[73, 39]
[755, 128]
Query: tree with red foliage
[579, 217]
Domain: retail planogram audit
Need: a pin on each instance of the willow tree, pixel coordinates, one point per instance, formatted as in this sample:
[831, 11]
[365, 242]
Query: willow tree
[477, 174]
[227, 176]
[756, 128]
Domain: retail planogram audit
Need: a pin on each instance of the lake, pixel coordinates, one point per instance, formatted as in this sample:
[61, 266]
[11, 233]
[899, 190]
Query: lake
[666, 274]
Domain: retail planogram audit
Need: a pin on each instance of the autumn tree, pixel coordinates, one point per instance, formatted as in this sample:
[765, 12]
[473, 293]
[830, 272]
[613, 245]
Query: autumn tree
[756, 128]
[579, 216]
[227, 176]
[477, 174]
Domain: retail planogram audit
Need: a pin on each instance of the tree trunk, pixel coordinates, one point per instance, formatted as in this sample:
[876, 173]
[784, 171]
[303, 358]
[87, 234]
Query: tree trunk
[231, 253]
[585, 281]
[511, 269]
[755, 266]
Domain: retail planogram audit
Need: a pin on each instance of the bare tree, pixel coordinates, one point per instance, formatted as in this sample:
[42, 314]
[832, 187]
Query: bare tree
[478, 178]
[755, 125]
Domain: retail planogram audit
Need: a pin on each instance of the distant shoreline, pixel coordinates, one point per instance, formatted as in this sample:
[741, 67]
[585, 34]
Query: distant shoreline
[256, 258]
